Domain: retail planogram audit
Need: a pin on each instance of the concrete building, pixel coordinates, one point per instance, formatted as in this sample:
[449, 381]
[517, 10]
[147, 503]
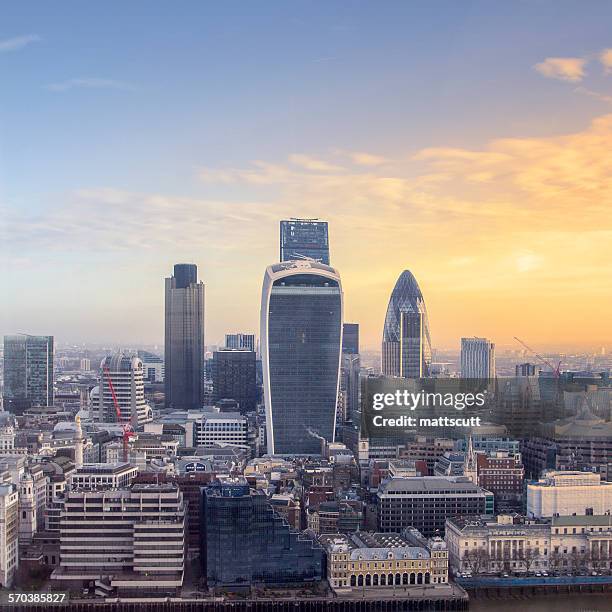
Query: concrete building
[363, 560]
[567, 493]
[9, 533]
[128, 539]
[477, 358]
[425, 503]
[103, 476]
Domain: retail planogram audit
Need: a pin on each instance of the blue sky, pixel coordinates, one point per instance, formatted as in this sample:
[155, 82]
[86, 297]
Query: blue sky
[126, 130]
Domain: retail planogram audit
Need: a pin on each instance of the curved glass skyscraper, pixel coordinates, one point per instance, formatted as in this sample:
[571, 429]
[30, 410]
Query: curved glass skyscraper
[406, 345]
[301, 342]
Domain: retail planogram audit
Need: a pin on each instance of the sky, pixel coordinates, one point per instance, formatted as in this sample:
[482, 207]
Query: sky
[469, 142]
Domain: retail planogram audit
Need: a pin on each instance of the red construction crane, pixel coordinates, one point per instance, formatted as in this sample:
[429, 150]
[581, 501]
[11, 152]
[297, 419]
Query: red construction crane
[128, 430]
[556, 370]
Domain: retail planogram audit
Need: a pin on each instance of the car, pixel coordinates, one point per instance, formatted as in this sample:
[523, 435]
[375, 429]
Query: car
[538, 574]
[505, 575]
[544, 573]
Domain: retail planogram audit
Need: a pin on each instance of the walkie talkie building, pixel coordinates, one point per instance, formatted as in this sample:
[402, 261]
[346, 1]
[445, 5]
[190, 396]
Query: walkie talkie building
[301, 346]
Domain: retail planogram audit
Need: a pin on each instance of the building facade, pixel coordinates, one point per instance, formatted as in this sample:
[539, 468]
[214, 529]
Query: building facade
[425, 503]
[244, 541]
[28, 372]
[184, 338]
[9, 533]
[234, 376]
[240, 341]
[365, 559]
[568, 493]
[477, 358]
[406, 343]
[122, 376]
[301, 340]
[304, 239]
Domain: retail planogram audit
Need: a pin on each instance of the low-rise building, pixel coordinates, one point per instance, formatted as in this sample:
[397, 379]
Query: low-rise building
[567, 493]
[362, 560]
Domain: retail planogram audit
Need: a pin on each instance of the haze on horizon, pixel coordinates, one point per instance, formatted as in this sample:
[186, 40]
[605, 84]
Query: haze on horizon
[470, 143]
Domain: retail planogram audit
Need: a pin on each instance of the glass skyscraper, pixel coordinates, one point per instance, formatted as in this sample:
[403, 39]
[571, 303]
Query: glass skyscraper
[406, 345]
[304, 238]
[301, 340]
[28, 372]
[184, 338]
[244, 541]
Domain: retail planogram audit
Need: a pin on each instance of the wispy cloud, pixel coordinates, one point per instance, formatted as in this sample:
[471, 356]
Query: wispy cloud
[366, 159]
[90, 83]
[562, 68]
[312, 163]
[17, 42]
[593, 94]
[605, 57]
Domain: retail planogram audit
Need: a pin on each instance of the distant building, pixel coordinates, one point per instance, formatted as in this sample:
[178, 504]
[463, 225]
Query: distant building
[301, 328]
[567, 493]
[350, 387]
[122, 376]
[103, 476]
[503, 474]
[477, 358]
[525, 369]
[85, 365]
[153, 366]
[184, 338]
[406, 343]
[350, 338]
[425, 503]
[335, 517]
[132, 540]
[240, 341]
[234, 377]
[244, 541]
[363, 560]
[28, 372]
[423, 448]
[304, 239]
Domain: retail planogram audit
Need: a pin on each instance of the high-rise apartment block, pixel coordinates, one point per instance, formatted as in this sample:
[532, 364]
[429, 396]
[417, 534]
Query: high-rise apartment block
[28, 372]
[304, 239]
[477, 358]
[301, 329]
[184, 338]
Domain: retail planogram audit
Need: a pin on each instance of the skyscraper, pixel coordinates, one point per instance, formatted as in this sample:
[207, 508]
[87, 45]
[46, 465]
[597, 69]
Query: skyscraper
[240, 341]
[28, 372]
[406, 345]
[234, 377]
[304, 238]
[477, 358]
[184, 340]
[301, 339]
[350, 338]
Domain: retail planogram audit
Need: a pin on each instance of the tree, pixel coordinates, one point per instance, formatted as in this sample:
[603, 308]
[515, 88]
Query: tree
[477, 559]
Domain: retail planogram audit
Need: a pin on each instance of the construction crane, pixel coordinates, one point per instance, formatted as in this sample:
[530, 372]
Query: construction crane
[555, 370]
[128, 430]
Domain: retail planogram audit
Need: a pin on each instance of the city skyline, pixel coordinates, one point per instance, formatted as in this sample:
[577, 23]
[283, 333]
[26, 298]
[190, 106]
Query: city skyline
[501, 213]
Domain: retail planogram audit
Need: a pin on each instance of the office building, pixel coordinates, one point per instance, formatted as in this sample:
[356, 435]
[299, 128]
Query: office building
[122, 379]
[240, 341]
[9, 533]
[301, 329]
[503, 474]
[184, 338]
[304, 239]
[350, 338]
[477, 358]
[28, 372]
[425, 503]
[103, 476]
[567, 493]
[335, 517]
[525, 369]
[234, 376]
[244, 541]
[406, 345]
[131, 539]
[153, 366]
[350, 387]
[363, 560]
